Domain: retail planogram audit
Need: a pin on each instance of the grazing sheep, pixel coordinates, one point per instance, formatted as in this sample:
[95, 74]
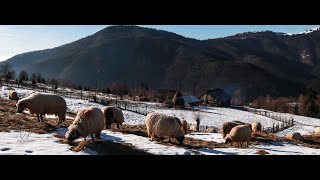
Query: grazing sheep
[41, 104]
[239, 134]
[294, 136]
[88, 121]
[163, 125]
[317, 131]
[256, 127]
[113, 115]
[227, 126]
[184, 124]
[194, 128]
[13, 95]
[210, 130]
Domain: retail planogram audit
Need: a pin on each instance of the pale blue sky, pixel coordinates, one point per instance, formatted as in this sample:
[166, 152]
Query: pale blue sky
[16, 39]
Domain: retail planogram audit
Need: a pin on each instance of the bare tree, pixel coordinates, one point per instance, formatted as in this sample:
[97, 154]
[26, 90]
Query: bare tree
[7, 72]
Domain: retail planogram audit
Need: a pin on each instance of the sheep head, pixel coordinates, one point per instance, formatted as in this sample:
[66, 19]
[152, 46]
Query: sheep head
[20, 106]
[72, 134]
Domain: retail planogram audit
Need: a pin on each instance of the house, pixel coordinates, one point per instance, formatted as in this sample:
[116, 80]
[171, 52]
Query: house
[191, 100]
[216, 97]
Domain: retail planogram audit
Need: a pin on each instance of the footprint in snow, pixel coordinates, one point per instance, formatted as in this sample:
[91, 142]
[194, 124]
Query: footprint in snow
[28, 151]
[5, 149]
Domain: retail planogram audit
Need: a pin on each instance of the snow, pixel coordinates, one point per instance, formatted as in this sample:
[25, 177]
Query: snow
[24, 143]
[216, 116]
[216, 137]
[144, 143]
[273, 148]
[303, 130]
[304, 32]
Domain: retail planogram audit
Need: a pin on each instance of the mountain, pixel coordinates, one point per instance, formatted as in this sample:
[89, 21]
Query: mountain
[258, 63]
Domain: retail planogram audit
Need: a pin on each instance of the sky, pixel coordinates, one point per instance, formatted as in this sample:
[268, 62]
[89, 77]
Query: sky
[17, 39]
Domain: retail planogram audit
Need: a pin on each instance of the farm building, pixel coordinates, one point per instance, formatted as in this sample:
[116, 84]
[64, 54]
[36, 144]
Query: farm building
[190, 100]
[216, 97]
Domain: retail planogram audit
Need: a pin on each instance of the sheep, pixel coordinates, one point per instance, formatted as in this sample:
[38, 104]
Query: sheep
[13, 95]
[256, 127]
[41, 104]
[88, 121]
[294, 136]
[184, 125]
[194, 128]
[163, 125]
[317, 131]
[239, 134]
[210, 130]
[113, 115]
[227, 126]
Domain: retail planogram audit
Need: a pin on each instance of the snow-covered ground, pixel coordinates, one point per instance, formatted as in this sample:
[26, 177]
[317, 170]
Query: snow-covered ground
[16, 142]
[304, 130]
[216, 116]
[11, 142]
[297, 118]
[274, 148]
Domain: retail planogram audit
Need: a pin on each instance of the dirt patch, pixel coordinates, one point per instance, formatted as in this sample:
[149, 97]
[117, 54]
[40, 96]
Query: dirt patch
[11, 120]
[262, 152]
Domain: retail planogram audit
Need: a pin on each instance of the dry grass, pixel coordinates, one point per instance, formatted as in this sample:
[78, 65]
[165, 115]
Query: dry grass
[11, 120]
[261, 152]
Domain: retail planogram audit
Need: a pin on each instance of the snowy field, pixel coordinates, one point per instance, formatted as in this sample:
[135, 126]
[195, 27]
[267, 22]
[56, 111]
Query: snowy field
[216, 116]
[12, 143]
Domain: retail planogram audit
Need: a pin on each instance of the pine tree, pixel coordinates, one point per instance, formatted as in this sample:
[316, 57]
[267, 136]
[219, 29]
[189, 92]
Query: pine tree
[311, 108]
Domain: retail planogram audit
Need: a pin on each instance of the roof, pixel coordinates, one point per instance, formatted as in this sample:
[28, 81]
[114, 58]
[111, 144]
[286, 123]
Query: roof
[190, 99]
[218, 94]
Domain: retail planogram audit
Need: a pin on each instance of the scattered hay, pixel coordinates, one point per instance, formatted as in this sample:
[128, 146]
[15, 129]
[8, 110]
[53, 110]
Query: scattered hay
[261, 152]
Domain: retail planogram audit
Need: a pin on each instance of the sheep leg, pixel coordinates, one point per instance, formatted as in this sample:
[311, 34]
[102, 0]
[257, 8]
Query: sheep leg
[98, 135]
[41, 118]
[92, 137]
[38, 117]
[118, 126]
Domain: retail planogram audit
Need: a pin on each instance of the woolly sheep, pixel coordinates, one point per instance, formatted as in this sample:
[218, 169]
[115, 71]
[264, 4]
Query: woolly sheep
[162, 125]
[88, 121]
[113, 115]
[13, 95]
[239, 134]
[41, 104]
[227, 126]
[294, 136]
[210, 130]
[184, 125]
[194, 128]
[317, 131]
[256, 127]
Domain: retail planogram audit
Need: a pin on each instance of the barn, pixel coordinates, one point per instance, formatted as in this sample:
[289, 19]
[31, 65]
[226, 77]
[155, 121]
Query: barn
[215, 97]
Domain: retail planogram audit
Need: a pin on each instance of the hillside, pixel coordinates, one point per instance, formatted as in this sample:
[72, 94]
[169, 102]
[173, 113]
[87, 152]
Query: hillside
[258, 63]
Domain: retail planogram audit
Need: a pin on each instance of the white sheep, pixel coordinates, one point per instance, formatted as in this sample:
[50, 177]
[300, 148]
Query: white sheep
[227, 126]
[184, 125]
[41, 104]
[13, 95]
[159, 125]
[113, 115]
[210, 130]
[193, 127]
[256, 127]
[317, 131]
[239, 134]
[88, 121]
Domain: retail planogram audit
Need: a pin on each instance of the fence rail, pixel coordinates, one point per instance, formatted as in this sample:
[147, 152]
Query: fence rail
[145, 108]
